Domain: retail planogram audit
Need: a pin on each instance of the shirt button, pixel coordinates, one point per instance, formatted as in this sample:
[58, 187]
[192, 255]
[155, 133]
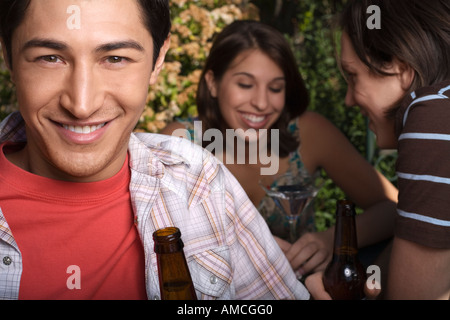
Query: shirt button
[213, 279]
[156, 297]
[7, 261]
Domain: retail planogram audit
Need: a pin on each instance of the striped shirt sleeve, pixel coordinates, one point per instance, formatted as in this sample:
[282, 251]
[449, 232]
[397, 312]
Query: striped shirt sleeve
[423, 167]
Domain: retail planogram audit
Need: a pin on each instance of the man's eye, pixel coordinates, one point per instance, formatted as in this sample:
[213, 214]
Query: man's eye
[115, 59]
[50, 58]
[349, 75]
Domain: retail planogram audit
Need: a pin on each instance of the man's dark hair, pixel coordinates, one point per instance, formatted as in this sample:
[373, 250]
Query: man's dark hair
[415, 32]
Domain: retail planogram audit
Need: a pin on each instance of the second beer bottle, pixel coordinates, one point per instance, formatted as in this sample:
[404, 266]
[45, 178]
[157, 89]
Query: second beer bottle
[174, 277]
[344, 278]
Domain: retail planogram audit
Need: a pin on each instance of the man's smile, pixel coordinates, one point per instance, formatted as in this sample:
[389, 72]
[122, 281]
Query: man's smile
[83, 129]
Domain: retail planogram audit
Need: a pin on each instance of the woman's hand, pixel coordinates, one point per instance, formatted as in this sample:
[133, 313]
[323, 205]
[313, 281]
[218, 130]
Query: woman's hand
[310, 253]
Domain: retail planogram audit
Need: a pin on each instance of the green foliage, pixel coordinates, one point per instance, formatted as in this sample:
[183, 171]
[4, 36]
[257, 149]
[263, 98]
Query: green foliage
[314, 46]
[6, 91]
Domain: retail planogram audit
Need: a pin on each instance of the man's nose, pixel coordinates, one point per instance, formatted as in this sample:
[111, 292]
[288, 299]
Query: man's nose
[349, 99]
[82, 94]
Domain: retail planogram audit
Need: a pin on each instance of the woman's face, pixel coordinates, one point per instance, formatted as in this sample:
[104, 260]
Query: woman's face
[374, 94]
[251, 93]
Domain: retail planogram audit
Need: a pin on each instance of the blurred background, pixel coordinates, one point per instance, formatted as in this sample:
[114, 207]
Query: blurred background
[306, 25]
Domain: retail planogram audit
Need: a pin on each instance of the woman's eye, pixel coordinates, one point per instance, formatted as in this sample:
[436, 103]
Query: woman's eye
[276, 90]
[244, 85]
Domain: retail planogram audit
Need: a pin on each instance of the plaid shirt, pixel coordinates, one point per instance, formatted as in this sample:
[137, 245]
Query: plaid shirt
[230, 251]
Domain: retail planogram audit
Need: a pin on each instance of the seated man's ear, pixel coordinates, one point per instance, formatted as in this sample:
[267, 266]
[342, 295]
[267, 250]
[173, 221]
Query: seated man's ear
[160, 61]
[6, 59]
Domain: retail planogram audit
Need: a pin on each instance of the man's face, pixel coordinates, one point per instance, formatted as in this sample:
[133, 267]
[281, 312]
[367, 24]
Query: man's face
[375, 95]
[82, 70]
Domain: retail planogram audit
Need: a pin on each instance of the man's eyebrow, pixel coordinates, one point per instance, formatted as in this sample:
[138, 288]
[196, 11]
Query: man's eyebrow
[128, 44]
[346, 64]
[45, 43]
[60, 45]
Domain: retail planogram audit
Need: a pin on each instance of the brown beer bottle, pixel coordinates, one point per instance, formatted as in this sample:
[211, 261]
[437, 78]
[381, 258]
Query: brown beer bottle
[344, 278]
[175, 281]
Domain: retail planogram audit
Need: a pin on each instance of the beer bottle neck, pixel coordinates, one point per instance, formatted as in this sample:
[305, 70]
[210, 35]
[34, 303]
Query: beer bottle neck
[345, 242]
[173, 272]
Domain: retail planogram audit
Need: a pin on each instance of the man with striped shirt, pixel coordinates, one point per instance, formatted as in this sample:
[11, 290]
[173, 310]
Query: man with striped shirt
[423, 166]
[399, 76]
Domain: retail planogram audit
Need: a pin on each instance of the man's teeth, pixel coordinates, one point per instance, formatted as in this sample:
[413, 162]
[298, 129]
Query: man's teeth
[254, 118]
[83, 129]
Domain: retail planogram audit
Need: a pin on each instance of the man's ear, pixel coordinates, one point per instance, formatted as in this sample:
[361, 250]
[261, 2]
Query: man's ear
[5, 59]
[211, 83]
[160, 61]
[405, 73]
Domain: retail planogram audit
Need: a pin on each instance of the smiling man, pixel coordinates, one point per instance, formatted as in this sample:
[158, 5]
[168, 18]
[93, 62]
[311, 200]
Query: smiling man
[81, 194]
[80, 92]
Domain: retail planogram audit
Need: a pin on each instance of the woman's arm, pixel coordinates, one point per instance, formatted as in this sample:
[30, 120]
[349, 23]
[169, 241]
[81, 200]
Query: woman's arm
[324, 146]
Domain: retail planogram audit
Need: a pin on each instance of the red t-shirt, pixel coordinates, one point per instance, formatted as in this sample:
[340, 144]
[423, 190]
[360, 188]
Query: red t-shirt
[77, 240]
